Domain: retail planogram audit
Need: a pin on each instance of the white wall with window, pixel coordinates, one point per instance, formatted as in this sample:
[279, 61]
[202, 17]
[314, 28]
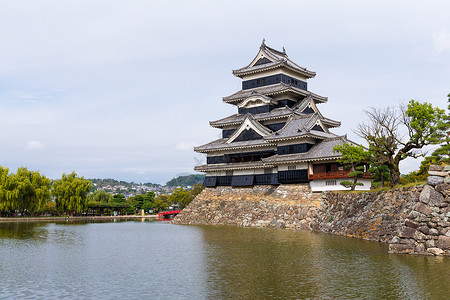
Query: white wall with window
[321, 185]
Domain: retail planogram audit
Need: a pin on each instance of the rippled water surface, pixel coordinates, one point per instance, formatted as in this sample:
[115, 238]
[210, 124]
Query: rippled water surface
[158, 260]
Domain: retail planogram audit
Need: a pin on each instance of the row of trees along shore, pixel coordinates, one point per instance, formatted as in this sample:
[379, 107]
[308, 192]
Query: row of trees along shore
[31, 193]
[394, 134]
[101, 202]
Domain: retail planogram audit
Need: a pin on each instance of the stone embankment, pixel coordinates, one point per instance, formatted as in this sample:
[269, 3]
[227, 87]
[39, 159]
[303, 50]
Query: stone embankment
[412, 220]
[291, 206]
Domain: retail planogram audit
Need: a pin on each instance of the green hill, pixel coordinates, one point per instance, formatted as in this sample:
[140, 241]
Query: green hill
[187, 180]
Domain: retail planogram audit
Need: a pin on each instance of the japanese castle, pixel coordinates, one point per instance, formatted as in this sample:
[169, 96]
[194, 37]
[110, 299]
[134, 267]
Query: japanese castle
[278, 135]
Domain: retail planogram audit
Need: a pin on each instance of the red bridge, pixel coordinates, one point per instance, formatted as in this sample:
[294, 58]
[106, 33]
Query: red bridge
[168, 215]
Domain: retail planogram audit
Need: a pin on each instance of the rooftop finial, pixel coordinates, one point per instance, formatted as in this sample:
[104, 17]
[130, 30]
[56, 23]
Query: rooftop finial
[263, 42]
[284, 50]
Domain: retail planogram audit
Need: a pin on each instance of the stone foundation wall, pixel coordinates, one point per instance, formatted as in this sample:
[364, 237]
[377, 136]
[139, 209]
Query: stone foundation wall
[371, 215]
[290, 205]
[411, 219]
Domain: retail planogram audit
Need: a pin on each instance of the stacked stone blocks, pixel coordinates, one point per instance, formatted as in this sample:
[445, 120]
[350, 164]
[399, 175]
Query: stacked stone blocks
[413, 220]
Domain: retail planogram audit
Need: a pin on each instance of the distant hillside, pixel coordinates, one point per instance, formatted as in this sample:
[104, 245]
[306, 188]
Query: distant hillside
[113, 182]
[188, 180]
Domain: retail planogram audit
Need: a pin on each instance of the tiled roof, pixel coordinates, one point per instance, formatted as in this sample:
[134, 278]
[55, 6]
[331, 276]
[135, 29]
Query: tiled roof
[238, 118]
[221, 144]
[320, 151]
[277, 59]
[301, 105]
[331, 123]
[272, 89]
[233, 166]
[299, 126]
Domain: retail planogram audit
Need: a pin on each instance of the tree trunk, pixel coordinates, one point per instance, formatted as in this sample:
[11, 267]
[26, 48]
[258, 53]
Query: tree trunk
[382, 179]
[395, 174]
[355, 179]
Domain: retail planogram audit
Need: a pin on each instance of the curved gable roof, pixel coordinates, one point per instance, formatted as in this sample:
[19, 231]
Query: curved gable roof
[269, 58]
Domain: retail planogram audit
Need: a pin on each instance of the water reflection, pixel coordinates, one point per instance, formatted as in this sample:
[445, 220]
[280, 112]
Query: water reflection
[158, 260]
[22, 230]
[260, 263]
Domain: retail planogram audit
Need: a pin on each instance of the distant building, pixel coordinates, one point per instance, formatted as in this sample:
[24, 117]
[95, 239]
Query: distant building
[278, 135]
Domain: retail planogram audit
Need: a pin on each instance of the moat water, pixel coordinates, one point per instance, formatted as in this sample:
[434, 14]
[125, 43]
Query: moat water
[158, 260]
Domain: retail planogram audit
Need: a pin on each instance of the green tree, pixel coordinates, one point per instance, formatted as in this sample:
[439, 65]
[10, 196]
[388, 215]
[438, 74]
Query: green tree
[26, 190]
[379, 172]
[147, 206]
[49, 208]
[181, 197]
[161, 203]
[148, 201]
[138, 201]
[100, 196]
[70, 193]
[32, 189]
[441, 154]
[423, 123]
[8, 199]
[118, 198]
[352, 158]
[150, 196]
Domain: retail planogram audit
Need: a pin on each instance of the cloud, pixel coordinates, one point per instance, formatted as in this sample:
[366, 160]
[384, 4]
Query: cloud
[441, 41]
[186, 146]
[34, 145]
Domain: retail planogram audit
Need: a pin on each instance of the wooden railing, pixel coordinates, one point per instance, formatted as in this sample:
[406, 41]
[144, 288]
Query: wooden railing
[339, 174]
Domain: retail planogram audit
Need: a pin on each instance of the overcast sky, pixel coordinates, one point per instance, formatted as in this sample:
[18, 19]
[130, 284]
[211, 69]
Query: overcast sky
[125, 89]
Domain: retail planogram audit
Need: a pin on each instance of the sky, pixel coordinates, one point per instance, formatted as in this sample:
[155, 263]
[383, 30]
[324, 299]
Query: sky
[125, 89]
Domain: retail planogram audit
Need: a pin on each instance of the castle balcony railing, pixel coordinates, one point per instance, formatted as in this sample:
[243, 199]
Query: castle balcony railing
[338, 174]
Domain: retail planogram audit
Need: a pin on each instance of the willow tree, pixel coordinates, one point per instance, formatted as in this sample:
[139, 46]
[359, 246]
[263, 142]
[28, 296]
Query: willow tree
[395, 133]
[7, 195]
[100, 196]
[70, 193]
[31, 189]
[25, 190]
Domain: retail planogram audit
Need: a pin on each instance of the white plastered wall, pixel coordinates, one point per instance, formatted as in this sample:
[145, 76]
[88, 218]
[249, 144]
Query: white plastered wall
[320, 185]
[299, 166]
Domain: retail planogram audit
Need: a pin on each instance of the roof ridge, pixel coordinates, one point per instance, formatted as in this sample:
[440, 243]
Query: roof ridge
[276, 51]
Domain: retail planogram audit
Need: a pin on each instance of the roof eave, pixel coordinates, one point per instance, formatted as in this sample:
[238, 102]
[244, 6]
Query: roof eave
[234, 148]
[295, 137]
[305, 160]
[242, 72]
[221, 167]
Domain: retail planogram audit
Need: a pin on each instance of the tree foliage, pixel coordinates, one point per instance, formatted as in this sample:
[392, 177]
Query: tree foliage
[352, 158]
[118, 198]
[394, 134]
[442, 154]
[379, 173]
[100, 196]
[70, 193]
[25, 190]
[188, 180]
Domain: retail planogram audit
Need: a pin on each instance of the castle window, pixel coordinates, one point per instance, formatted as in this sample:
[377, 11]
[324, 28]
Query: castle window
[330, 182]
[292, 168]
